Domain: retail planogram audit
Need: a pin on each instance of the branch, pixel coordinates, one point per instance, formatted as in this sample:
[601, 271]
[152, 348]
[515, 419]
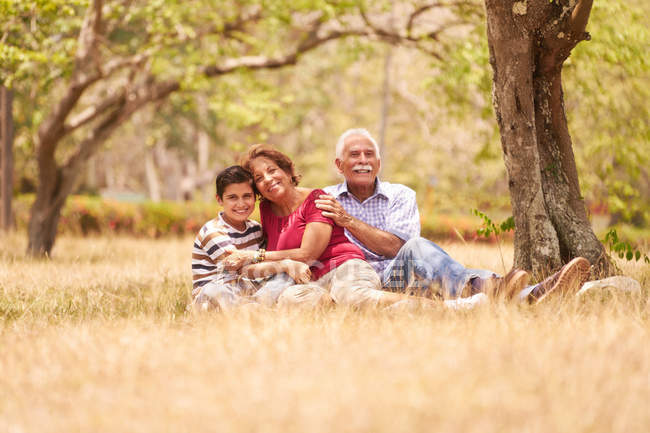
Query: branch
[289, 58]
[88, 36]
[251, 15]
[377, 30]
[91, 113]
[424, 8]
[129, 100]
[71, 169]
[579, 19]
[52, 128]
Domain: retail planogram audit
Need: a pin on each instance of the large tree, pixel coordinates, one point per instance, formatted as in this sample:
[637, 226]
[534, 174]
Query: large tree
[529, 41]
[106, 60]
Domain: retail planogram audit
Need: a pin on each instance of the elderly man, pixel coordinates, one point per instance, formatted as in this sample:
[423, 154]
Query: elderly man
[383, 220]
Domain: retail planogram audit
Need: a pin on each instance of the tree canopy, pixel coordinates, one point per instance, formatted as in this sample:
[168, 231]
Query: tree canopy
[172, 51]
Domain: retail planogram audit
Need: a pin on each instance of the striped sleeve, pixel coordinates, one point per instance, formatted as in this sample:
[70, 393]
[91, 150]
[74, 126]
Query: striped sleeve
[210, 246]
[214, 242]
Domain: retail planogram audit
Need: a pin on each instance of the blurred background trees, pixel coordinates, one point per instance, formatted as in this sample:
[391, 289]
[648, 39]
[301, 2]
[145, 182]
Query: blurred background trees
[434, 107]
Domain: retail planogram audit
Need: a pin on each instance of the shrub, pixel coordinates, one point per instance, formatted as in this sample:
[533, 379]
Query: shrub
[84, 215]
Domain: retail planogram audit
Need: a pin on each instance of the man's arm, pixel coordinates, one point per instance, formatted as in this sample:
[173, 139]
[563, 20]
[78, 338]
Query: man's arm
[378, 241]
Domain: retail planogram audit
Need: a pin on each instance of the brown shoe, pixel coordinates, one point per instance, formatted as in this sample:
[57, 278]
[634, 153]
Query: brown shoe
[567, 281]
[516, 281]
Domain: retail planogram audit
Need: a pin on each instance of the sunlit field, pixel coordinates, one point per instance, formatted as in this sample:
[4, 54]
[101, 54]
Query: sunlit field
[98, 339]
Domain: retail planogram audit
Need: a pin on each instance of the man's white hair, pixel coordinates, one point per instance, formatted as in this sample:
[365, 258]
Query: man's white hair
[355, 131]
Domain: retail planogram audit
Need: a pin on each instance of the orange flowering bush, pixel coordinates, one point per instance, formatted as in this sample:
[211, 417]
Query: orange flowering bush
[84, 215]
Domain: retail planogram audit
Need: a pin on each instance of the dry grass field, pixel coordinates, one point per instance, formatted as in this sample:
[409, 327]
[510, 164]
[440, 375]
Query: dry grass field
[97, 339]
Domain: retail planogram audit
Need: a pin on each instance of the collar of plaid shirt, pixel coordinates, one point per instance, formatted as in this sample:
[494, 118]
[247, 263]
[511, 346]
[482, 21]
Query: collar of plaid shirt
[342, 188]
[369, 211]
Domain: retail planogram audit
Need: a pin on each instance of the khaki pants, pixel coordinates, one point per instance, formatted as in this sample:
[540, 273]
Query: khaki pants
[354, 283]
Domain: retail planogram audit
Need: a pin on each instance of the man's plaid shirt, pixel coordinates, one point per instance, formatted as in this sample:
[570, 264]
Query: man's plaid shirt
[391, 208]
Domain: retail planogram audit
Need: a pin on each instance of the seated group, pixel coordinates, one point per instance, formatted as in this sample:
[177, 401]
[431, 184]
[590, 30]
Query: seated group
[356, 243]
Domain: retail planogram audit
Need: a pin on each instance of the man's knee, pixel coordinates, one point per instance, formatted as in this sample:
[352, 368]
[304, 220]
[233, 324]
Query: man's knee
[415, 247]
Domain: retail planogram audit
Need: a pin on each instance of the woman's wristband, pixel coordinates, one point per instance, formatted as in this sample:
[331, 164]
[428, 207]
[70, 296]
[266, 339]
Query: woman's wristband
[259, 256]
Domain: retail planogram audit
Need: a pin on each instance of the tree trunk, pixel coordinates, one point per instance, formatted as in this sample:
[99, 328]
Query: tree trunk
[153, 182]
[56, 183]
[385, 103]
[43, 222]
[203, 152]
[6, 156]
[536, 243]
[529, 42]
[560, 182]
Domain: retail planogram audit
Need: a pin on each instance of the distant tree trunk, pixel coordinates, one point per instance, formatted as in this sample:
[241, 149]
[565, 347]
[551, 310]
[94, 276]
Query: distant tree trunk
[6, 155]
[203, 153]
[529, 42]
[153, 182]
[385, 102]
[91, 175]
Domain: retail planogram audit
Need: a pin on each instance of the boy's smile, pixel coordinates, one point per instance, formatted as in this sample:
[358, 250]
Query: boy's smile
[238, 203]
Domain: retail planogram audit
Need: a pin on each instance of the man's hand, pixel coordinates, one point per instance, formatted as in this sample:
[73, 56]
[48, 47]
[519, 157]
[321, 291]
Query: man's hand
[332, 209]
[297, 270]
[376, 240]
[238, 259]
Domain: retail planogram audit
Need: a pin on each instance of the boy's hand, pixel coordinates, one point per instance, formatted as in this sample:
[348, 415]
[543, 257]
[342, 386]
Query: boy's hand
[298, 271]
[238, 259]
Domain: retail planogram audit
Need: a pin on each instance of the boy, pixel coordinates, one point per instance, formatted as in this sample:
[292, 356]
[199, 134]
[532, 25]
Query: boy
[231, 230]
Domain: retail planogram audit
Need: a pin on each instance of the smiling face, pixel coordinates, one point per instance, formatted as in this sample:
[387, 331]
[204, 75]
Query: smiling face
[238, 201]
[271, 181]
[359, 163]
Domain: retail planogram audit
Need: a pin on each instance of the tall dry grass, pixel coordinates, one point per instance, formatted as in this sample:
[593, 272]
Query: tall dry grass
[97, 339]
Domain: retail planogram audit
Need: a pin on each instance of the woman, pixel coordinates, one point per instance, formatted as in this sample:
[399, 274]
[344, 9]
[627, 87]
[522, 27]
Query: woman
[295, 229]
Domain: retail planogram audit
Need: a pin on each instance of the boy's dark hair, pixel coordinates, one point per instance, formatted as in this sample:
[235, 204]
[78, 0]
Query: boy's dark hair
[230, 175]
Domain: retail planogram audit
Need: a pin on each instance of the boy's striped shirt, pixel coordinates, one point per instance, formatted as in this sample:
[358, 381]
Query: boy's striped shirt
[214, 242]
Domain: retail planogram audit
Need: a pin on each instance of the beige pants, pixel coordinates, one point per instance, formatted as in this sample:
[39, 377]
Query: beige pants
[354, 283]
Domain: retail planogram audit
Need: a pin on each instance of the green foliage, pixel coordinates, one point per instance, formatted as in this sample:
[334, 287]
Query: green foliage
[302, 110]
[490, 228]
[623, 248]
[39, 39]
[607, 88]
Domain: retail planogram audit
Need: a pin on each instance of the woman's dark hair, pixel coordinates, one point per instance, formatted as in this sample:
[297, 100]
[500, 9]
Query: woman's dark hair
[269, 152]
[233, 174]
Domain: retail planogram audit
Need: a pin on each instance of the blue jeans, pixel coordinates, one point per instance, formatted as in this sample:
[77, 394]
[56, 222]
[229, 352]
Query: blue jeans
[421, 263]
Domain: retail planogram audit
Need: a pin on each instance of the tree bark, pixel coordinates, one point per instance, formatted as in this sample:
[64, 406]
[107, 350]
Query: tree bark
[529, 42]
[6, 156]
[536, 244]
[560, 183]
[56, 183]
